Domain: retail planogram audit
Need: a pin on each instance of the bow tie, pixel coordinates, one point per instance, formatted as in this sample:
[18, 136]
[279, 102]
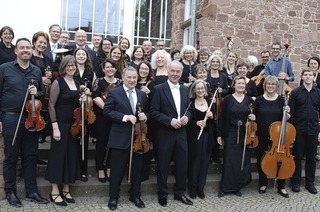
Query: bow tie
[175, 86]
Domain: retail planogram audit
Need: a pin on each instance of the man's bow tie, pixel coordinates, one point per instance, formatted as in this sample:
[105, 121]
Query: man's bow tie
[175, 86]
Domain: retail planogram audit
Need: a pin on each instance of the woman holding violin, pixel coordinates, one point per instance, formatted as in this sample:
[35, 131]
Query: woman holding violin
[268, 109]
[218, 80]
[199, 147]
[84, 76]
[236, 161]
[145, 84]
[101, 88]
[63, 164]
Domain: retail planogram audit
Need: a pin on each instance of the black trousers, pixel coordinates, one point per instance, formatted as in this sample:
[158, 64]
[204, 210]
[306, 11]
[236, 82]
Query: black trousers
[305, 145]
[103, 127]
[263, 146]
[27, 143]
[198, 165]
[176, 148]
[119, 159]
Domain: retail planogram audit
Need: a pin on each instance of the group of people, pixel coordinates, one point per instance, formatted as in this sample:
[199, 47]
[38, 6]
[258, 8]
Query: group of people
[193, 102]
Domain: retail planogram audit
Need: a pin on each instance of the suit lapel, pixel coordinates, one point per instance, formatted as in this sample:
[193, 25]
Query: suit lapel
[167, 92]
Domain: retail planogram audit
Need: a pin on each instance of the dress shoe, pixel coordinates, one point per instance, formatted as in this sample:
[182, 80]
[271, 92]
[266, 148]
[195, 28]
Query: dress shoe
[41, 139]
[237, 193]
[262, 191]
[163, 201]
[295, 188]
[53, 198]
[220, 194]
[193, 194]
[311, 189]
[41, 162]
[183, 199]
[112, 204]
[35, 197]
[84, 178]
[102, 179]
[13, 199]
[286, 195]
[137, 202]
[68, 199]
[216, 160]
[200, 194]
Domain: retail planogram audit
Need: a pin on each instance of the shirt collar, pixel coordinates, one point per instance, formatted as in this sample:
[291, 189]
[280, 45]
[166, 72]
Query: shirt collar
[126, 89]
[173, 86]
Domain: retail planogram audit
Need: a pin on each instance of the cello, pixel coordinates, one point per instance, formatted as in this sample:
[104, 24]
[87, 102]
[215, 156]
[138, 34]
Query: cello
[278, 161]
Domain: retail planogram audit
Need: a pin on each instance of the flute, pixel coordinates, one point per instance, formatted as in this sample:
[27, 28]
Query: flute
[205, 118]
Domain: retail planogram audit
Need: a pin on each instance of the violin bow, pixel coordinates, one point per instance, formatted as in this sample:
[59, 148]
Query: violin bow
[131, 153]
[19, 120]
[244, 147]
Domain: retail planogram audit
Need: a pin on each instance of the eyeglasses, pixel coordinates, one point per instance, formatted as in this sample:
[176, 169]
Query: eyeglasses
[106, 44]
[64, 37]
[71, 66]
[275, 48]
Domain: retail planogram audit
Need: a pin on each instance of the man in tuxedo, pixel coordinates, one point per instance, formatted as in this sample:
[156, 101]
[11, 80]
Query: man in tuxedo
[120, 107]
[168, 108]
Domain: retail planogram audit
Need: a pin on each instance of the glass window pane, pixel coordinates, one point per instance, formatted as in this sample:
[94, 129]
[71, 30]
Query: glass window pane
[86, 16]
[100, 16]
[73, 15]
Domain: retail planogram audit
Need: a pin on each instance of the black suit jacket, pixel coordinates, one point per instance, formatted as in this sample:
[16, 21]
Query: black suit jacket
[163, 109]
[116, 106]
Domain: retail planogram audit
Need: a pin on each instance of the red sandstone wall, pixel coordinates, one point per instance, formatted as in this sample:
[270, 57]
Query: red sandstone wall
[254, 25]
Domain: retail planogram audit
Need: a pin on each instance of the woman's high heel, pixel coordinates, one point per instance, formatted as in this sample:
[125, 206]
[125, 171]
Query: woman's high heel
[62, 203]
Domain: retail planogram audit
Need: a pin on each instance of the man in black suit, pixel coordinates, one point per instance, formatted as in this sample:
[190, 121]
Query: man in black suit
[120, 108]
[54, 32]
[81, 41]
[169, 107]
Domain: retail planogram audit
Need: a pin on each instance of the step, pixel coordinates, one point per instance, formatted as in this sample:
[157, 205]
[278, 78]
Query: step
[149, 187]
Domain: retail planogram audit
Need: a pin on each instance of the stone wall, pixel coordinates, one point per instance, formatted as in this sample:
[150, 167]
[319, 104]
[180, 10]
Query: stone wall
[254, 25]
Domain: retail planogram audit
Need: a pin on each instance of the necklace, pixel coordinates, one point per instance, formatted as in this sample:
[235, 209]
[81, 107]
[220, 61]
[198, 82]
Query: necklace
[201, 103]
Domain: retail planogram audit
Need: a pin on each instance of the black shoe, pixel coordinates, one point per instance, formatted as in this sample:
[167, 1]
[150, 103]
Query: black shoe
[237, 193]
[311, 189]
[102, 179]
[183, 199]
[41, 139]
[162, 201]
[137, 202]
[35, 197]
[220, 194]
[193, 194]
[113, 203]
[216, 160]
[68, 200]
[286, 195]
[53, 198]
[200, 194]
[262, 191]
[41, 162]
[295, 188]
[84, 178]
[13, 199]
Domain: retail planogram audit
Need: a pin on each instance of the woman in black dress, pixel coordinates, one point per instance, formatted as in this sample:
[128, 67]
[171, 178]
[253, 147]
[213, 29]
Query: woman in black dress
[137, 57]
[102, 126]
[242, 70]
[234, 115]
[189, 57]
[84, 75]
[199, 149]
[268, 109]
[160, 62]
[7, 53]
[63, 165]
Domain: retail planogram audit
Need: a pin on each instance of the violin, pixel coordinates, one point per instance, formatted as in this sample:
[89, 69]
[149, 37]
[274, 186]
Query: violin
[82, 114]
[251, 127]
[103, 95]
[34, 121]
[141, 143]
[47, 86]
[278, 161]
